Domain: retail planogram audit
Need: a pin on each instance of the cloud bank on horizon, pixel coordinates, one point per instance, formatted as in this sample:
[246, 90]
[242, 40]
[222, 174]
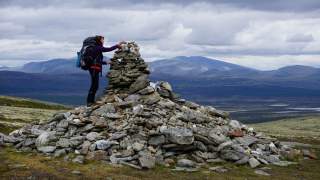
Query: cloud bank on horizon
[259, 34]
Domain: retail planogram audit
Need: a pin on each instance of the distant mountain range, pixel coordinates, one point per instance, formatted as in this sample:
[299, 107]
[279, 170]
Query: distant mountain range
[197, 78]
[54, 66]
[3, 68]
[198, 66]
[182, 66]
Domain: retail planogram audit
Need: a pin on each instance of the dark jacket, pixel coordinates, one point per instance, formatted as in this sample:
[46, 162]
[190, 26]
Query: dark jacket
[96, 54]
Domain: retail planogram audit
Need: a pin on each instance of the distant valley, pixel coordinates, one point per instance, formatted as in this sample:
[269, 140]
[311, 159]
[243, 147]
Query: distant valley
[197, 78]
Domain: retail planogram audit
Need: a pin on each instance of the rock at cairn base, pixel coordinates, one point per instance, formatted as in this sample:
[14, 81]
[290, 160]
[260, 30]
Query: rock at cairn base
[139, 123]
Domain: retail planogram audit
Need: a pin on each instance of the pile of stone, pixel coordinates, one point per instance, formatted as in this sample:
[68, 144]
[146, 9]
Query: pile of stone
[128, 71]
[140, 124]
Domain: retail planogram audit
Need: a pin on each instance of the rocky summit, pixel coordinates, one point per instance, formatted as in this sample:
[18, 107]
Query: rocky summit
[141, 123]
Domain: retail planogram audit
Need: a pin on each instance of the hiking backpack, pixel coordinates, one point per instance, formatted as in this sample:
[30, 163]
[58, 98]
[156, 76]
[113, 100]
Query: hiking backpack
[84, 60]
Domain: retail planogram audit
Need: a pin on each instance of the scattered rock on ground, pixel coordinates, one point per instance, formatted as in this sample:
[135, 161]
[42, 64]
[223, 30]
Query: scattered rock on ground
[139, 123]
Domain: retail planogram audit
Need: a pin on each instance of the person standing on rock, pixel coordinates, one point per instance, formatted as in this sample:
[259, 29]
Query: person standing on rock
[96, 67]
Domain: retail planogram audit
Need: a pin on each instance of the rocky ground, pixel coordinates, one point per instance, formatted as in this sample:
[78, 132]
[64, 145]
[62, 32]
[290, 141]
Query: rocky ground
[144, 125]
[18, 164]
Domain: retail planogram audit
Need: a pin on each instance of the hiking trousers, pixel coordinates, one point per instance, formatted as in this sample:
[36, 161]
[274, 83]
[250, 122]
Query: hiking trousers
[94, 74]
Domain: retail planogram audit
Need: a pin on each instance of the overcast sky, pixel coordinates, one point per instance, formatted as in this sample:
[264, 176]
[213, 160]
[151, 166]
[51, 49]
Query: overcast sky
[260, 34]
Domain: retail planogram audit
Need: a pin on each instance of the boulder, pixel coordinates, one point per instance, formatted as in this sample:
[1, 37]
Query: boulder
[100, 122]
[254, 163]
[85, 147]
[104, 144]
[44, 138]
[244, 160]
[107, 108]
[78, 159]
[97, 155]
[63, 124]
[217, 138]
[236, 133]
[232, 155]
[235, 124]
[63, 143]
[46, 149]
[157, 140]
[182, 136]
[60, 152]
[137, 146]
[186, 163]
[93, 136]
[146, 160]
[261, 172]
[147, 90]
[309, 154]
[218, 169]
[140, 83]
[246, 140]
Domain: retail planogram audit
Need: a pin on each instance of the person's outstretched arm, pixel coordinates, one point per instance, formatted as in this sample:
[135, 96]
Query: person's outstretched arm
[108, 49]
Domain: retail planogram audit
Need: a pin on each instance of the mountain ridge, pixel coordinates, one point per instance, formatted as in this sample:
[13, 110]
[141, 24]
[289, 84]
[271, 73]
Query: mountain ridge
[69, 87]
[198, 65]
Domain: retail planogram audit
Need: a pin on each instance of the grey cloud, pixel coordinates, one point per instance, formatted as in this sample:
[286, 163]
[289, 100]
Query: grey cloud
[301, 38]
[258, 51]
[73, 25]
[218, 29]
[44, 30]
[270, 5]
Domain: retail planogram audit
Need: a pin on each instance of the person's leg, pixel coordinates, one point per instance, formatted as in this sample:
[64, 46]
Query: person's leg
[94, 86]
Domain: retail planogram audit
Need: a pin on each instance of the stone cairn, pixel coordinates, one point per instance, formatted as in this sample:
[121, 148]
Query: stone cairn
[140, 124]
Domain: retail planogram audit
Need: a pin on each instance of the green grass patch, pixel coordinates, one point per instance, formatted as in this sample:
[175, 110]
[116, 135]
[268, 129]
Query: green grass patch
[303, 127]
[5, 129]
[28, 103]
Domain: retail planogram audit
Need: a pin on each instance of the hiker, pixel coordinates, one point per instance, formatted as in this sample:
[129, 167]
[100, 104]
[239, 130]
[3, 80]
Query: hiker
[95, 67]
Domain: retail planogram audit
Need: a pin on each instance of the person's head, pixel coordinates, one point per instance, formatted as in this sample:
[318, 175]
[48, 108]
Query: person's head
[100, 40]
